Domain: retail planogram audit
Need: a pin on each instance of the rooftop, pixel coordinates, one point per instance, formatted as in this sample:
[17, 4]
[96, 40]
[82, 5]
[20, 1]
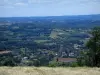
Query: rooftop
[5, 52]
[67, 59]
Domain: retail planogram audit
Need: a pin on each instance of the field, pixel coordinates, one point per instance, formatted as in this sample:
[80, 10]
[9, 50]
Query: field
[48, 71]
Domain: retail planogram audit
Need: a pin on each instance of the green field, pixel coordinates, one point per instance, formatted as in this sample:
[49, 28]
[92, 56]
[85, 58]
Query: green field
[41, 41]
[49, 71]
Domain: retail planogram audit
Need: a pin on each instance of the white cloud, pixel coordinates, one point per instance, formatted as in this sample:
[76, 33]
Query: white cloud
[20, 4]
[53, 7]
[43, 1]
[25, 2]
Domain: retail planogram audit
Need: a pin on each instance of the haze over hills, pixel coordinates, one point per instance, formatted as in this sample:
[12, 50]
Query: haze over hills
[74, 21]
[96, 16]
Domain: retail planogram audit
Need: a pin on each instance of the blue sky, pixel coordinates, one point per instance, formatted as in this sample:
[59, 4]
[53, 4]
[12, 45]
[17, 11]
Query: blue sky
[15, 8]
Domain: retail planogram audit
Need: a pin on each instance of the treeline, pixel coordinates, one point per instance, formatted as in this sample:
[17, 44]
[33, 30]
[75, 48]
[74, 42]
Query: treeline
[91, 57]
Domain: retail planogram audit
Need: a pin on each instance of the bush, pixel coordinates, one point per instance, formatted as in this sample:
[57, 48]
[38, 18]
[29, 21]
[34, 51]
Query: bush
[74, 64]
[62, 64]
[54, 64]
[7, 61]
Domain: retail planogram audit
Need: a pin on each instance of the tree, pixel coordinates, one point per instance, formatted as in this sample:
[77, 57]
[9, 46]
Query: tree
[23, 51]
[7, 61]
[83, 59]
[93, 46]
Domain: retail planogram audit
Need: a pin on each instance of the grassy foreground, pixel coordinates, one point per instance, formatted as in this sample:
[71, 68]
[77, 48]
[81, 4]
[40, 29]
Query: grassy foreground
[48, 71]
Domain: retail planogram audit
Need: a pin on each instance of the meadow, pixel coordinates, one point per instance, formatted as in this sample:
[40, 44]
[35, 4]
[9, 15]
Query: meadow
[49, 71]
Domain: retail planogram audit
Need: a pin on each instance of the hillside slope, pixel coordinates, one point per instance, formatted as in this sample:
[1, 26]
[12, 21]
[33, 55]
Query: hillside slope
[48, 71]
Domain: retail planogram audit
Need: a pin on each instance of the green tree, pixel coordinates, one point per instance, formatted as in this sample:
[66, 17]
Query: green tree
[83, 59]
[94, 47]
[7, 61]
[23, 51]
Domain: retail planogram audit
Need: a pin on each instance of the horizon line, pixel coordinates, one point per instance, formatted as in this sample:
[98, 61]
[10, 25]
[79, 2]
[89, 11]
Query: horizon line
[48, 16]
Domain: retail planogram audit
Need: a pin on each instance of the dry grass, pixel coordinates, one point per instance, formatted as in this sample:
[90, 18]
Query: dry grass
[48, 71]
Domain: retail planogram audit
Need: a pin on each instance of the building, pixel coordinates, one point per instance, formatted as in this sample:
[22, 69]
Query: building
[66, 60]
[4, 52]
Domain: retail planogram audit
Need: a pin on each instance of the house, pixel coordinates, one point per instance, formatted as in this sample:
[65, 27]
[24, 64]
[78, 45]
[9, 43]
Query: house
[66, 60]
[72, 54]
[5, 52]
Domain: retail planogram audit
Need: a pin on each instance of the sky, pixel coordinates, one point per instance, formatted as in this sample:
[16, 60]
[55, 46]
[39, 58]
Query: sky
[28, 8]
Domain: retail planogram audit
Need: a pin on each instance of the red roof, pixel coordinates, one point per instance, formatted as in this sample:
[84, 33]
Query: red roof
[67, 59]
[5, 52]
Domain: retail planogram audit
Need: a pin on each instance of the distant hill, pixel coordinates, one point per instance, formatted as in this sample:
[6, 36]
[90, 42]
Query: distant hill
[74, 17]
[58, 21]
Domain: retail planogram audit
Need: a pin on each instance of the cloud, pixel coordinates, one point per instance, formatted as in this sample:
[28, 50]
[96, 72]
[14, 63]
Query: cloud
[20, 4]
[29, 2]
[49, 7]
[50, 3]
[12, 3]
[42, 1]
